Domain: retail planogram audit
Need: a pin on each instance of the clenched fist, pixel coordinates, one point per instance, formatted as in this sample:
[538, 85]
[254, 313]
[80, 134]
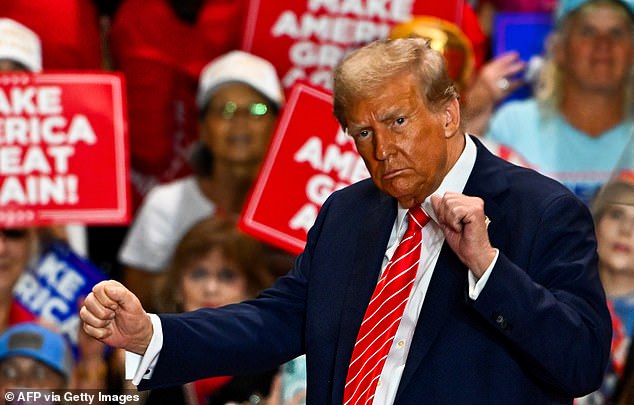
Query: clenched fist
[113, 314]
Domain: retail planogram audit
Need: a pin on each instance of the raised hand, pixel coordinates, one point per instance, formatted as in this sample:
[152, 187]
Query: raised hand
[464, 224]
[113, 314]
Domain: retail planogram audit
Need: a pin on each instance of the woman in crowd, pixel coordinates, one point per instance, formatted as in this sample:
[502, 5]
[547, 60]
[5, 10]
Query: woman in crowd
[578, 125]
[613, 212]
[17, 247]
[214, 265]
[239, 98]
[21, 51]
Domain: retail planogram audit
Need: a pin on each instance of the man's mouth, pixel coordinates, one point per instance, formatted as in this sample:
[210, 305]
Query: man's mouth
[392, 173]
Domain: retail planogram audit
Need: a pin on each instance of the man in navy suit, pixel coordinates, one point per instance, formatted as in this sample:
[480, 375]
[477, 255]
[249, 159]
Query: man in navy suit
[506, 305]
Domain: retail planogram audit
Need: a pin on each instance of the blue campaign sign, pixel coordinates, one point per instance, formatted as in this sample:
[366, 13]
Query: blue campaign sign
[52, 290]
[524, 33]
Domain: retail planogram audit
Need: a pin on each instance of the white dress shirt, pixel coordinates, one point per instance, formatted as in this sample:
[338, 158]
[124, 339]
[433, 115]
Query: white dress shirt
[138, 367]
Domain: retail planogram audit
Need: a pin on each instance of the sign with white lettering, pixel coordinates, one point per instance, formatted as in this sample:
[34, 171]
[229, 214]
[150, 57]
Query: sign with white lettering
[63, 149]
[52, 290]
[305, 39]
[303, 166]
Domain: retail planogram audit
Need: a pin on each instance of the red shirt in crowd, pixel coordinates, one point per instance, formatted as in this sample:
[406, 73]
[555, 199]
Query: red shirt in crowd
[161, 57]
[68, 30]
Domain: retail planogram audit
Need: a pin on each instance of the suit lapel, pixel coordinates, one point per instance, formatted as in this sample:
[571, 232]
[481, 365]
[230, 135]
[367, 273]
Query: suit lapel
[371, 245]
[488, 180]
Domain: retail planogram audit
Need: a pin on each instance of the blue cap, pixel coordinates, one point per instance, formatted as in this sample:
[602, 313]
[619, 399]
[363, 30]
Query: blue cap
[37, 342]
[565, 7]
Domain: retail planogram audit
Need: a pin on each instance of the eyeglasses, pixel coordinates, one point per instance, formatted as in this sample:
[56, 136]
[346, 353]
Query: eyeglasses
[230, 109]
[12, 233]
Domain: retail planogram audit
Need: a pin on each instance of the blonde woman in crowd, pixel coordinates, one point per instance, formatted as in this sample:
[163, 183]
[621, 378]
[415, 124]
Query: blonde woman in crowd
[577, 126]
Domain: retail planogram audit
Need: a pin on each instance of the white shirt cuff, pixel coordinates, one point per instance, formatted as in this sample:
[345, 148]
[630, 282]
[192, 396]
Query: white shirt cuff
[476, 286]
[139, 367]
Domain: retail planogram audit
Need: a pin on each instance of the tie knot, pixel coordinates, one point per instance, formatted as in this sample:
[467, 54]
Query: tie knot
[417, 218]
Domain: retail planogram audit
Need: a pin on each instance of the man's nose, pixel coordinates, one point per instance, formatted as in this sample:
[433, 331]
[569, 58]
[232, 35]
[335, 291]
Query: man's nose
[383, 144]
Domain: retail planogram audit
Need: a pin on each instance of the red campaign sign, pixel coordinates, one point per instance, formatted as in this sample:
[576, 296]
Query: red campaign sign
[306, 39]
[309, 157]
[63, 149]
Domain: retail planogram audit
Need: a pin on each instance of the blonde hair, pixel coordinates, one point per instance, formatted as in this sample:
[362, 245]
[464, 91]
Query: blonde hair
[549, 86]
[614, 192]
[365, 71]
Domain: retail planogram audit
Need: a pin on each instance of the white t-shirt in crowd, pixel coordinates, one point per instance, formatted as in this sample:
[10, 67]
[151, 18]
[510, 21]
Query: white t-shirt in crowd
[167, 213]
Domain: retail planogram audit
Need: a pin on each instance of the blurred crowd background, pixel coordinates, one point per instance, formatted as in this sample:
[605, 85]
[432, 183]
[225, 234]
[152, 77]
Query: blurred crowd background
[202, 111]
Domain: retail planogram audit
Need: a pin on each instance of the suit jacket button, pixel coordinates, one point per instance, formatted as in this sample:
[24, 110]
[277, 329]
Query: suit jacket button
[501, 322]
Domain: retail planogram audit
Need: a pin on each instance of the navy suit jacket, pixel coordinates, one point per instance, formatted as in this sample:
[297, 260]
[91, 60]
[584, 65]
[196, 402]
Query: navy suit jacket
[539, 332]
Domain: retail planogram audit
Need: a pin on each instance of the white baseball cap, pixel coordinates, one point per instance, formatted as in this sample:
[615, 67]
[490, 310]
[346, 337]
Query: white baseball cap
[18, 43]
[240, 67]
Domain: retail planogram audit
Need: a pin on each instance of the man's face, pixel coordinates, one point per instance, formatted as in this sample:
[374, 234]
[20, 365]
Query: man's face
[26, 372]
[598, 52]
[403, 143]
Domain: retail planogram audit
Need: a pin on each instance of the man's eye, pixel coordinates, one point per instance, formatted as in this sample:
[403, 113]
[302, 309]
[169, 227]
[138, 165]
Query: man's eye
[400, 121]
[364, 134]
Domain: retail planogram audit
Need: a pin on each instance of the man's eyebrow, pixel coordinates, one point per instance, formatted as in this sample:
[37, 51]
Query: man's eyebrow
[355, 127]
[390, 113]
[387, 116]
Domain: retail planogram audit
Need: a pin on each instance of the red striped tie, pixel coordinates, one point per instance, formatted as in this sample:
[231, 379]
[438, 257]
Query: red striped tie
[384, 313]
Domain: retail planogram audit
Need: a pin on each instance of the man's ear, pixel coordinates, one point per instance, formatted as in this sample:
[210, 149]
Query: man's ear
[451, 116]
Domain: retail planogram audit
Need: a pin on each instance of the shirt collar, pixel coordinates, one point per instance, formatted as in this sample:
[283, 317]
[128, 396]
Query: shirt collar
[455, 180]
